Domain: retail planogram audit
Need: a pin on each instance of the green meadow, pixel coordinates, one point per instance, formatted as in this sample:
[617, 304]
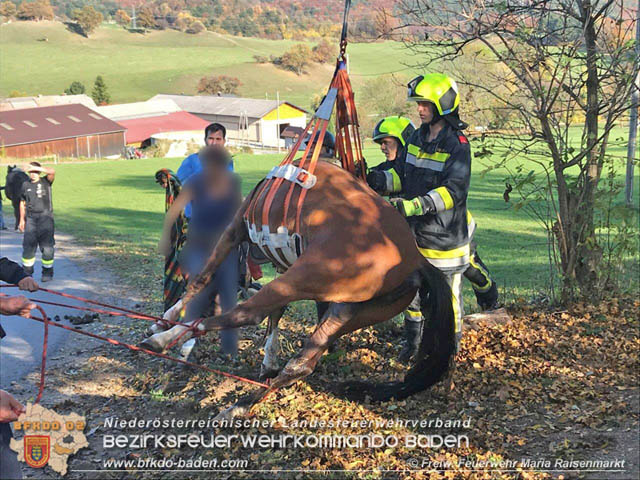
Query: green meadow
[116, 207]
[136, 67]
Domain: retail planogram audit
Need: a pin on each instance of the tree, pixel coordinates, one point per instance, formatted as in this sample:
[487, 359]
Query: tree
[380, 97]
[87, 18]
[38, 10]
[565, 81]
[218, 84]
[196, 27]
[99, 93]
[76, 88]
[296, 58]
[8, 9]
[145, 18]
[324, 52]
[122, 18]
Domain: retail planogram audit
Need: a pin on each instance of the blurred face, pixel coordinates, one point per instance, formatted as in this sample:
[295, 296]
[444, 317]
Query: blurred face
[389, 146]
[34, 176]
[215, 138]
[426, 111]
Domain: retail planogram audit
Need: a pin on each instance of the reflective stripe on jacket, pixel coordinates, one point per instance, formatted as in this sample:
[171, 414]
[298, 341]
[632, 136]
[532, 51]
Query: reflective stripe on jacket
[441, 170]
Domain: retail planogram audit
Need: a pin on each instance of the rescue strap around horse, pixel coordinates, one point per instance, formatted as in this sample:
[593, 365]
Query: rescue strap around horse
[348, 147]
[45, 320]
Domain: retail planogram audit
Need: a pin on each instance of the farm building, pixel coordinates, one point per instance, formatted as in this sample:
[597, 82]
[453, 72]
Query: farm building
[63, 130]
[16, 103]
[144, 120]
[140, 130]
[249, 121]
[129, 111]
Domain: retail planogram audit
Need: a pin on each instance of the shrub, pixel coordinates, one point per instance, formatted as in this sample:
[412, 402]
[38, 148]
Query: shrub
[218, 84]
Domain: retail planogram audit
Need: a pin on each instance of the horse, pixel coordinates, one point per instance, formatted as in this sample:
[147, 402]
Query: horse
[13, 186]
[357, 259]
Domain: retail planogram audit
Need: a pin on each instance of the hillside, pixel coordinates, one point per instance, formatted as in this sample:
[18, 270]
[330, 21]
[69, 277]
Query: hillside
[135, 66]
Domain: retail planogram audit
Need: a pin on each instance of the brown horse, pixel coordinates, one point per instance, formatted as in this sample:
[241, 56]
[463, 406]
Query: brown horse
[356, 257]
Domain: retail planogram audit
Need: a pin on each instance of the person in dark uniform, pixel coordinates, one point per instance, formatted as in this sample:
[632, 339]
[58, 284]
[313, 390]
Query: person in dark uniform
[436, 168]
[10, 408]
[36, 219]
[392, 134]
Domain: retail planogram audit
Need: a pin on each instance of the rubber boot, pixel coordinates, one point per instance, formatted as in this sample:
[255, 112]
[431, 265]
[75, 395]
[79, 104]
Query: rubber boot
[412, 337]
[47, 274]
[28, 270]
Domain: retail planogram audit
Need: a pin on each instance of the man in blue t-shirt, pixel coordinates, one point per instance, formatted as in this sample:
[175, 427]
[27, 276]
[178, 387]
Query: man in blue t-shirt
[214, 134]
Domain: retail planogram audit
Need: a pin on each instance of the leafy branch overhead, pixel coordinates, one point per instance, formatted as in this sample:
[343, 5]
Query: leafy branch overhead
[556, 79]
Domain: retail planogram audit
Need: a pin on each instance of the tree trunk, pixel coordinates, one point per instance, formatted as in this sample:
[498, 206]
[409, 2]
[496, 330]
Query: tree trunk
[588, 254]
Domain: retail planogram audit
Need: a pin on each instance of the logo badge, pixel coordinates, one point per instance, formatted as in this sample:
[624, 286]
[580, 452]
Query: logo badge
[36, 450]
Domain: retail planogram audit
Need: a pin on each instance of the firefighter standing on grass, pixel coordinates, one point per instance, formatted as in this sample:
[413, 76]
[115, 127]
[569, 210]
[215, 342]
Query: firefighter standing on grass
[36, 219]
[434, 181]
[392, 134]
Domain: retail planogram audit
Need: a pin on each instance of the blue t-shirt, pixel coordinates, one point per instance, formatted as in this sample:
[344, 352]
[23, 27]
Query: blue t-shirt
[188, 168]
[210, 215]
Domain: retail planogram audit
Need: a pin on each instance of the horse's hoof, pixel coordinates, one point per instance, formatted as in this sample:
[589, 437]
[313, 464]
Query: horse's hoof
[151, 344]
[266, 373]
[230, 413]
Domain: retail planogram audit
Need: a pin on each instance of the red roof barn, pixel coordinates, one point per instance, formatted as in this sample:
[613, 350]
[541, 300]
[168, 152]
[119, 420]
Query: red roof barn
[64, 130]
[141, 129]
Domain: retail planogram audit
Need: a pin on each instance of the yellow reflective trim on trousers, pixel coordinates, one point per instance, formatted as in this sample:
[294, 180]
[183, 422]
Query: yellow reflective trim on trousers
[446, 197]
[414, 313]
[454, 253]
[28, 262]
[47, 262]
[436, 156]
[484, 273]
[456, 301]
[469, 217]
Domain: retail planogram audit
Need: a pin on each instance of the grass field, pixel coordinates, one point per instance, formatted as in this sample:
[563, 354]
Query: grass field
[136, 67]
[117, 207]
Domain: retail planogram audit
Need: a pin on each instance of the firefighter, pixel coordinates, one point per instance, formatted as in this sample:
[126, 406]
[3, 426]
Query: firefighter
[392, 133]
[36, 219]
[436, 171]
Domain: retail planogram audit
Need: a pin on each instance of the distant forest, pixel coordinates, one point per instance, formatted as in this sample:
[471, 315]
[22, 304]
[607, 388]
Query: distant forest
[274, 19]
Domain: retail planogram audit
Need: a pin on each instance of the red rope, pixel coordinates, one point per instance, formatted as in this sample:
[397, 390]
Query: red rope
[45, 343]
[45, 320]
[94, 302]
[135, 348]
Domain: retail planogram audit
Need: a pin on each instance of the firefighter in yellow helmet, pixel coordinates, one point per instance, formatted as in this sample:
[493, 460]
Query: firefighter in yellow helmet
[392, 134]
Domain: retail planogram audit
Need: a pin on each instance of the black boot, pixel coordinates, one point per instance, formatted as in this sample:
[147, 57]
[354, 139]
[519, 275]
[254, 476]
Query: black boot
[47, 274]
[28, 270]
[412, 337]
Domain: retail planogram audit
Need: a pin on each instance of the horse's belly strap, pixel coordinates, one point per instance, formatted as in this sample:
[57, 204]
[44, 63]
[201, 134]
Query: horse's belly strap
[280, 246]
[294, 174]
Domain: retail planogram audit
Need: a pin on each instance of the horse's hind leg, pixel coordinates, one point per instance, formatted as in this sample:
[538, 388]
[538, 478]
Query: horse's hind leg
[339, 319]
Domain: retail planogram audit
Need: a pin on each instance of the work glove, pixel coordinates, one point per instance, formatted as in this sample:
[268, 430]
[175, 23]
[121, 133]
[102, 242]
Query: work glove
[377, 180]
[414, 207]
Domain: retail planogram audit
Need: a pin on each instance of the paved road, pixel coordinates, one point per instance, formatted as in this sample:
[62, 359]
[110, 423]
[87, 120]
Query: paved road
[21, 349]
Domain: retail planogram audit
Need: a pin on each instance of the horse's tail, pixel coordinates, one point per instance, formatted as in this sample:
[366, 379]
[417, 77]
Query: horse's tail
[437, 346]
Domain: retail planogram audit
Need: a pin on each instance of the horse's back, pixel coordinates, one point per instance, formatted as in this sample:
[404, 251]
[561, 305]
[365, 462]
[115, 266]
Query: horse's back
[351, 238]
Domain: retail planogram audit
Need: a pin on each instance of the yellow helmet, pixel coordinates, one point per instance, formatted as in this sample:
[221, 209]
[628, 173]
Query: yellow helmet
[393, 126]
[437, 88]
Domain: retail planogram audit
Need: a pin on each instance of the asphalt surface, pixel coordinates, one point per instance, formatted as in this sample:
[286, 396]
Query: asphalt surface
[21, 349]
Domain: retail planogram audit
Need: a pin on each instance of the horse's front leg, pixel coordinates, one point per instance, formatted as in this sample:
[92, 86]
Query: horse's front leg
[270, 365]
[330, 328]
